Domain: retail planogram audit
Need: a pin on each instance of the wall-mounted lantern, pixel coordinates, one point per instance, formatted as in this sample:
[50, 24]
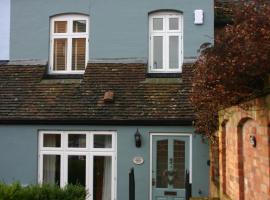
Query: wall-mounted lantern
[252, 141]
[138, 140]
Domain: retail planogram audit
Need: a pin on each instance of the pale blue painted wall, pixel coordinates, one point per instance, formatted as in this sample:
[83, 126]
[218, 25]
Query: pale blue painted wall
[4, 29]
[30, 25]
[19, 155]
[118, 28]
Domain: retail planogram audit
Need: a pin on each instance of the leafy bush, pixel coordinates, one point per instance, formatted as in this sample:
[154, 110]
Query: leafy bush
[234, 70]
[41, 192]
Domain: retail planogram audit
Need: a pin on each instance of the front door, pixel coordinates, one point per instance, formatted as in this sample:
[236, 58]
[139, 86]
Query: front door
[170, 161]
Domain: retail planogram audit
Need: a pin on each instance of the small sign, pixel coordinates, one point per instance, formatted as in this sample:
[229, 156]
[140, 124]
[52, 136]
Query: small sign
[138, 160]
[198, 16]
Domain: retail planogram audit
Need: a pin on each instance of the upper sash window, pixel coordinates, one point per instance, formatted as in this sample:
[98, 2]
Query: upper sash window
[69, 44]
[166, 42]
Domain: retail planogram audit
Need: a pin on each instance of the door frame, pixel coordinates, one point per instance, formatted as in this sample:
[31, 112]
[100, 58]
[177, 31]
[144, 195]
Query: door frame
[151, 148]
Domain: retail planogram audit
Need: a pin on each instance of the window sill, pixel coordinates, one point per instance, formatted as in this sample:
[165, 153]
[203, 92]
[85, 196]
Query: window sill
[63, 76]
[164, 75]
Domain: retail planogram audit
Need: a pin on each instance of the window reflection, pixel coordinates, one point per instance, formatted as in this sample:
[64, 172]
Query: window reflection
[103, 141]
[52, 140]
[77, 140]
[162, 163]
[76, 170]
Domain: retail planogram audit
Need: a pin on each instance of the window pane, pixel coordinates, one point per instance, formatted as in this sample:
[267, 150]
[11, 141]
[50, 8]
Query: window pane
[76, 170]
[174, 52]
[77, 140]
[78, 53]
[102, 177]
[51, 169]
[60, 26]
[179, 164]
[79, 26]
[60, 54]
[174, 24]
[103, 141]
[162, 164]
[158, 52]
[157, 24]
[51, 140]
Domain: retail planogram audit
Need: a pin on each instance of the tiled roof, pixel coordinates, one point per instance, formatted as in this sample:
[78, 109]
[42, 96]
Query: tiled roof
[26, 94]
[223, 12]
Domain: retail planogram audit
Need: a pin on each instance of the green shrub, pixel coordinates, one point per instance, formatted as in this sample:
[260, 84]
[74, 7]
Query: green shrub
[16, 191]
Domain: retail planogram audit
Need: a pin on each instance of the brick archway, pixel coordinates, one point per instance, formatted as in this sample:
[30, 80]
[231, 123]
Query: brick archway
[240, 155]
[249, 163]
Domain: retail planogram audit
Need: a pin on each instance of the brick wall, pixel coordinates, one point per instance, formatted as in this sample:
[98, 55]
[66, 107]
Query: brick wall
[244, 170]
[215, 162]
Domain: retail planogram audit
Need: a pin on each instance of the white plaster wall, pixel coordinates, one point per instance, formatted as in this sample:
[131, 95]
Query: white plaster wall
[4, 29]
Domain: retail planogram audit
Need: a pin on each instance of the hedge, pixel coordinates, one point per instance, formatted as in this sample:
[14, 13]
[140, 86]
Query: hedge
[16, 191]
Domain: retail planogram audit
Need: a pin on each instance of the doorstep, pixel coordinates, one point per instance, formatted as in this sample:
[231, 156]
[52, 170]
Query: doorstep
[203, 198]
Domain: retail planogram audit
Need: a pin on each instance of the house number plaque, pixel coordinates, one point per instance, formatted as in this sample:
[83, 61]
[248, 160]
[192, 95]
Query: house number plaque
[138, 160]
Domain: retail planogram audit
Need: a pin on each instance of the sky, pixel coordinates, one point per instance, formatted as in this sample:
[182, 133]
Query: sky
[4, 29]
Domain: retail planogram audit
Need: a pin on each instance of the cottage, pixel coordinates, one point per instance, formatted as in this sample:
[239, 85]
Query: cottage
[95, 88]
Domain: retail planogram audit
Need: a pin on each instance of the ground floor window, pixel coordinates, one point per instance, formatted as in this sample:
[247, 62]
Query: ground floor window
[87, 158]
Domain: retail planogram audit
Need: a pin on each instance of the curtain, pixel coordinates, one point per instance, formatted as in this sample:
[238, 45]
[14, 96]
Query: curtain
[107, 172]
[49, 162]
[108, 141]
[107, 178]
[49, 169]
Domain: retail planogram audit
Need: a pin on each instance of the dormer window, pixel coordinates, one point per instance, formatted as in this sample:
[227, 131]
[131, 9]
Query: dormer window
[68, 44]
[166, 42]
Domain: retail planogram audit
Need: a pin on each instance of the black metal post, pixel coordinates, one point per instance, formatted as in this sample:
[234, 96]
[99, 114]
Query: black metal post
[187, 186]
[131, 185]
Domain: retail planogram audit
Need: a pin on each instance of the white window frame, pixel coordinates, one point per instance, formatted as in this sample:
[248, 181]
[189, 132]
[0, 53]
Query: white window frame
[64, 151]
[165, 33]
[69, 35]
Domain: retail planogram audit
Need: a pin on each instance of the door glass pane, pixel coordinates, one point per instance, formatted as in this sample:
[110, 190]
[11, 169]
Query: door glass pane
[60, 54]
[158, 52]
[51, 140]
[179, 164]
[79, 26]
[157, 24]
[174, 23]
[102, 177]
[77, 140]
[162, 164]
[76, 170]
[78, 53]
[51, 169]
[60, 26]
[102, 141]
[174, 52]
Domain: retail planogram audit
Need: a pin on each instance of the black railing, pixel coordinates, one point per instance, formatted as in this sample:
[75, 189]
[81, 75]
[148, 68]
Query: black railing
[131, 185]
[187, 186]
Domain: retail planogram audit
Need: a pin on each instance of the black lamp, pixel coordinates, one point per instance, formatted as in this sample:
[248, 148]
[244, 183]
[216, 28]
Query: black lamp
[252, 141]
[138, 140]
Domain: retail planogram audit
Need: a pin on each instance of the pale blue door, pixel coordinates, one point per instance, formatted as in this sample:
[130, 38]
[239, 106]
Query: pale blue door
[170, 161]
